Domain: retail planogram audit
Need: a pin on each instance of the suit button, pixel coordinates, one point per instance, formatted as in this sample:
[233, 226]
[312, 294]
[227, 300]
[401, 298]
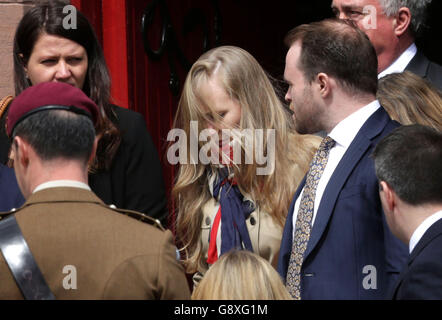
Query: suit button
[252, 221]
[208, 221]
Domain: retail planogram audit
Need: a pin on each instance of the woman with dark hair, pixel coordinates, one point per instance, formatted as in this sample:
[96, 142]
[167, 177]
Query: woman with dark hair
[126, 171]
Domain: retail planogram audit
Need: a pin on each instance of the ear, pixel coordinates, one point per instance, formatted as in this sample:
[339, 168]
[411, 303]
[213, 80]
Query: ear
[25, 66]
[21, 152]
[389, 196]
[323, 84]
[402, 21]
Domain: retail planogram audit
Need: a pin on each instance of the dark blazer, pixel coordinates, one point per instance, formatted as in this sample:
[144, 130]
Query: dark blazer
[114, 256]
[426, 69]
[422, 278]
[135, 180]
[351, 253]
[10, 194]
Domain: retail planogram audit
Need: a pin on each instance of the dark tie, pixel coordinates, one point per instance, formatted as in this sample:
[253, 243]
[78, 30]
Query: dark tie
[304, 218]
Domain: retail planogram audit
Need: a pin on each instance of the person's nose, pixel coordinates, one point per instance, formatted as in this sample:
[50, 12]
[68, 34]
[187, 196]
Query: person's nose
[63, 71]
[287, 96]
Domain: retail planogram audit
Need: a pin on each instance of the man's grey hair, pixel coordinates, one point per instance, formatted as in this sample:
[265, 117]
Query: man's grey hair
[418, 9]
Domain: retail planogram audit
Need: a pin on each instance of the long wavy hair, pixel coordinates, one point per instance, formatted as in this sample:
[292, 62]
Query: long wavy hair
[244, 80]
[47, 18]
[410, 99]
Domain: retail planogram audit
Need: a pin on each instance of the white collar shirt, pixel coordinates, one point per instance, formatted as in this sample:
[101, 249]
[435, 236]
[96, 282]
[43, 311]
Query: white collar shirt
[423, 227]
[62, 183]
[401, 63]
[343, 133]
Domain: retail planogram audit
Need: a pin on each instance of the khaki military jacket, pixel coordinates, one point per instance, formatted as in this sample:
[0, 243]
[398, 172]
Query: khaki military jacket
[86, 250]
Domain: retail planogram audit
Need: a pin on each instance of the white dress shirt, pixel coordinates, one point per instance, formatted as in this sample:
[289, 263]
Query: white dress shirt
[423, 227]
[401, 63]
[343, 133]
[62, 183]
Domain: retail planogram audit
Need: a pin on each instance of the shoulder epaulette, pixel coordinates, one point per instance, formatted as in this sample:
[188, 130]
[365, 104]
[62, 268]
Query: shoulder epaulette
[4, 215]
[139, 216]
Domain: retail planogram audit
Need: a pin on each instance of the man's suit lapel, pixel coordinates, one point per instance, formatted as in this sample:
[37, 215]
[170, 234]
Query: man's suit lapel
[358, 148]
[419, 65]
[428, 236]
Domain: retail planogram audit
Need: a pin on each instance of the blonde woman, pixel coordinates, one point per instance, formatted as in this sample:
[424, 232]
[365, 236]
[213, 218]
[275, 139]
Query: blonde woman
[241, 275]
[241, 201]
[409, 99]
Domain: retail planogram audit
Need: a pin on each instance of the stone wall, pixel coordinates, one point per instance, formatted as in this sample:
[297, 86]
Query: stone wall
[11, 12]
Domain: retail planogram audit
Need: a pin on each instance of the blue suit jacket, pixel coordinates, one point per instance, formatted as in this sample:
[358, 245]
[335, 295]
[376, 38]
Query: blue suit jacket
[10, 194]
[422, 278]
[351, 253]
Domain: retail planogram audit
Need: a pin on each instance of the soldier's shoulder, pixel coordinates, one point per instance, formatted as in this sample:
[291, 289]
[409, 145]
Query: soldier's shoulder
[137, 215]
[6, 214]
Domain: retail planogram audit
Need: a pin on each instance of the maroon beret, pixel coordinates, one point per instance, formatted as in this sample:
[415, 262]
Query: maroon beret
[49, 96]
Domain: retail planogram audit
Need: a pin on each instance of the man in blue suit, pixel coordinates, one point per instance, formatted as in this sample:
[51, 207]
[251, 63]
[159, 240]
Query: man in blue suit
[10, 195]
[408, 165]
[336, 243]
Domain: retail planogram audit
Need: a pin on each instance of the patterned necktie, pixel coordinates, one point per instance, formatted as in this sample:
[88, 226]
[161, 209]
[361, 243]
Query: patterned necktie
[304, 217]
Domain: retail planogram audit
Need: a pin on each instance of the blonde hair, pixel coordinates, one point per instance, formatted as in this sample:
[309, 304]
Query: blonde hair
[409, 99]
[241, 275]
[243, 79]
